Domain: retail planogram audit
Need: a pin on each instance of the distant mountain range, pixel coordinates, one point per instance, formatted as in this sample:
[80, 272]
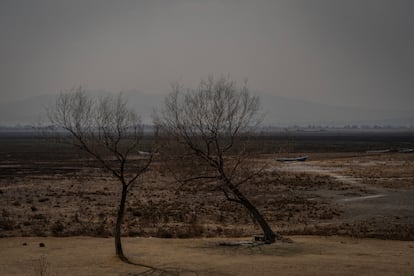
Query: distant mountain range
[287, 111]
[279, 111]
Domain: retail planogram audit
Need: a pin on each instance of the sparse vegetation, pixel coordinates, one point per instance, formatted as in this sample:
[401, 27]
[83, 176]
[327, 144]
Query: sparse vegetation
[41, 266]
[306, 202]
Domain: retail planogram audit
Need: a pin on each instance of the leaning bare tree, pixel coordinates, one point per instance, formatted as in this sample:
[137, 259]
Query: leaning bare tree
[108, 132]
[209, 126]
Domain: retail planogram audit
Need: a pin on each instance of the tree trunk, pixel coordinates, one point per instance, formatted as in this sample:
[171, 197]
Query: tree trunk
[119, 218]
[269, 235]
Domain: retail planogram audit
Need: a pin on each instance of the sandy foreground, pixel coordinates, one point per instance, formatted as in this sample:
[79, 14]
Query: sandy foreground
[308, 255]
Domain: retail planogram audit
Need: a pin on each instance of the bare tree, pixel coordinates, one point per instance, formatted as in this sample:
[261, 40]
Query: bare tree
[107, 131]
[210, 126]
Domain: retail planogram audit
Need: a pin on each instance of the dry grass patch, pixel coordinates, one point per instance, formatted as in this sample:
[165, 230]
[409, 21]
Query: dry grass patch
[307, 255]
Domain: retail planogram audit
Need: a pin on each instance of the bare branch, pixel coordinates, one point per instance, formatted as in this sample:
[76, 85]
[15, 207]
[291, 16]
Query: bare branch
[106, 130]
[208, 125]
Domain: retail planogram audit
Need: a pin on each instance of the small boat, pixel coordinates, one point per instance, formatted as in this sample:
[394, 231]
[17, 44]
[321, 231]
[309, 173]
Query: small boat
[378, 151]
[290, 159]
[406, 150]
[147, 153]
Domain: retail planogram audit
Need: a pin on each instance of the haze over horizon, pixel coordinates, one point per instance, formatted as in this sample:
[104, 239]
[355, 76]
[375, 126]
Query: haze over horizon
[339, 53]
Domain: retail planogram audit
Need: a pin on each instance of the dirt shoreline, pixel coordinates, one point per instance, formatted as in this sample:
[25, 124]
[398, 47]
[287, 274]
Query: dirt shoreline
[308, 255]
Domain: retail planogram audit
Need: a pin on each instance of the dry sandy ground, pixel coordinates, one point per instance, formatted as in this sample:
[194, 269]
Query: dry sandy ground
[308, 255]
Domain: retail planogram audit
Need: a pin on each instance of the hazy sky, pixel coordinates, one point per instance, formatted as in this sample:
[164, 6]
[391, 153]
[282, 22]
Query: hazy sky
[358, 53]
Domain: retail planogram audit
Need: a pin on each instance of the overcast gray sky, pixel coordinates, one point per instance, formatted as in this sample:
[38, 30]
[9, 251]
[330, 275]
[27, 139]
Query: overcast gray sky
[353, 52]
